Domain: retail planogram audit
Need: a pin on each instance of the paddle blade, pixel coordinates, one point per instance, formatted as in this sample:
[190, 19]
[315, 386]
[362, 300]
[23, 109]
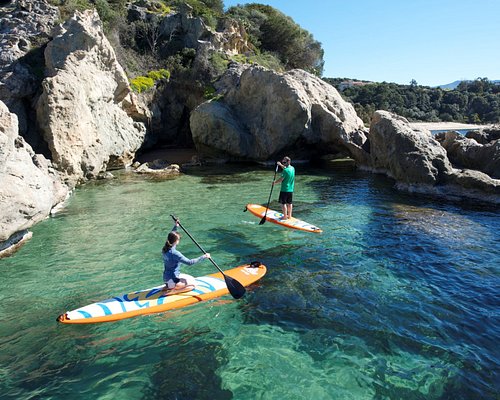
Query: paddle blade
[263, 220]
[235, 288]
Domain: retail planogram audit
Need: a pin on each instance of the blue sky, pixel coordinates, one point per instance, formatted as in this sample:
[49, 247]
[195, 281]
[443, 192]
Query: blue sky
[432, 41]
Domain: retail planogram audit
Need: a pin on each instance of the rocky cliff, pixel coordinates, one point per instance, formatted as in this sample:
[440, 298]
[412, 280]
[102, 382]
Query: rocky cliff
[25, 29]
[79, 111]
[30, 186]
[419, 163]
[80, 115]
[480, 153]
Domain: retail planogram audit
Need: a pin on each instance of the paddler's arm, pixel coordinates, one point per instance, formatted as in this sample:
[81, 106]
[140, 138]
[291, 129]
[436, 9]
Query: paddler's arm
[279, 180]
[183, 259]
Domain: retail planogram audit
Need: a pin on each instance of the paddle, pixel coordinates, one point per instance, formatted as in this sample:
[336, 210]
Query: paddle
[263, 220]
[235, 288]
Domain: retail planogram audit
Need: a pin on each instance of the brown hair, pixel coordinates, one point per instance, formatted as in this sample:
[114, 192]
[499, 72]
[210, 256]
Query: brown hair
[287, 160]
[171, 239]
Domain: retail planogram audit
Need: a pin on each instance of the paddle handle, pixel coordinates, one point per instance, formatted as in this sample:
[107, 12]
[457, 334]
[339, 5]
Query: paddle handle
[195, 242]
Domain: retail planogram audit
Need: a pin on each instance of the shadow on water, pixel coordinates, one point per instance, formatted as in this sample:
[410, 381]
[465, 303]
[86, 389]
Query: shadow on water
[225, 174]
[188, 369]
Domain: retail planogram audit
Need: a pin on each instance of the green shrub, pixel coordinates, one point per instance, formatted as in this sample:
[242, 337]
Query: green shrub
[160, 74]
[209, 10]
[219, 62]
[143, 83]
[209, 92]
[159, 8]
[67, 8]
[273, 32]
[266, 59]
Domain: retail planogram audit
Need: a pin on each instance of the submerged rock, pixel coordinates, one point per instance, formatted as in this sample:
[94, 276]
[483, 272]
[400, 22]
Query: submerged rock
[158, 168]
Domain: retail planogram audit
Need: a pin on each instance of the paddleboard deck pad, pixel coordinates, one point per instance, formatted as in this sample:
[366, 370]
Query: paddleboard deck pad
[154, 300]
[277, 218]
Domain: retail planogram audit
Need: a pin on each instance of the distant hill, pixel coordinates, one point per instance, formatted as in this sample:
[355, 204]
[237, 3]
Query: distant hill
[454, 85]
[450, 86]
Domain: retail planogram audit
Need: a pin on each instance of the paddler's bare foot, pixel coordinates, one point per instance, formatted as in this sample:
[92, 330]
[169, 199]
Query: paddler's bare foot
[177, 290]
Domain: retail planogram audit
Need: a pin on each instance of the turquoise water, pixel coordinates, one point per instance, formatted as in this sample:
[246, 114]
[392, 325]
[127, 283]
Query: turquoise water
[462, 132]
[397, 299]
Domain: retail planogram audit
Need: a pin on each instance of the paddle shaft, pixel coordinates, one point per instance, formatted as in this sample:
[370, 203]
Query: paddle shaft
[234, 287]
[196, 243]
[270, 194]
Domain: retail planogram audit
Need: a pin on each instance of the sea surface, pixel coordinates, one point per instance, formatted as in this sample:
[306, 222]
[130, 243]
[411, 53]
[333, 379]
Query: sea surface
[462, 132]
[398, 298]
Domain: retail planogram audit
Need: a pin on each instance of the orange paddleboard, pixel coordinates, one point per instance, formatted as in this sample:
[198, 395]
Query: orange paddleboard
[154, 300]
[277, 218]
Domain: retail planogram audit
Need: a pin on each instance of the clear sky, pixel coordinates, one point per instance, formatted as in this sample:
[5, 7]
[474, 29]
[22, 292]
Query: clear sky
[434, 42]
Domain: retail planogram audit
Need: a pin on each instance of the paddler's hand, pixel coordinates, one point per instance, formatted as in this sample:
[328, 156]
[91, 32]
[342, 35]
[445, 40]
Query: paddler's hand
[207, 255]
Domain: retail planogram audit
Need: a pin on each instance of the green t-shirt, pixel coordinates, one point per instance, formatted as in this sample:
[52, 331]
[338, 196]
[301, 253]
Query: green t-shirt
[288, 181]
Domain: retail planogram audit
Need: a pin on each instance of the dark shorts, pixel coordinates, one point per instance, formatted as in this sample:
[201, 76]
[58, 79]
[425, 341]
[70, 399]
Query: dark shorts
[285, 197]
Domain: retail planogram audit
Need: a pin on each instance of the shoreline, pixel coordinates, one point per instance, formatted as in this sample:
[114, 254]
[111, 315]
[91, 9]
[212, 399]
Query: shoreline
[438, 126]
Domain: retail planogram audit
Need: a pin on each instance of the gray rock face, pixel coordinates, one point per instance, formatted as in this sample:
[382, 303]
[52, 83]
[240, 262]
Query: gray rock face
[468, 153]
[80, 111]
[30, 187]
[408, 156]
[24, 26]
[419, 163]
[181, 29]
[263, 113]
[484, 136]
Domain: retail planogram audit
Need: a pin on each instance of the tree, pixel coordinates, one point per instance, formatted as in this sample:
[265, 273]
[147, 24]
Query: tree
[149, 32]
[273, 31]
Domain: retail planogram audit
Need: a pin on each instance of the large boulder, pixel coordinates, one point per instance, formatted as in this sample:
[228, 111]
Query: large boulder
[407, 155]
[261, 113]
[485, 135]
[30, 187]
[80, 110]
[468, 153]
[419, 163]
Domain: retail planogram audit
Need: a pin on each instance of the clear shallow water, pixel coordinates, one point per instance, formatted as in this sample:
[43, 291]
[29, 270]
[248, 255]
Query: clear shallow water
[398, 298]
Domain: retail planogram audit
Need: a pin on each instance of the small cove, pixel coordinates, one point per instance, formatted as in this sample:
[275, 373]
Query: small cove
[397, 298]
